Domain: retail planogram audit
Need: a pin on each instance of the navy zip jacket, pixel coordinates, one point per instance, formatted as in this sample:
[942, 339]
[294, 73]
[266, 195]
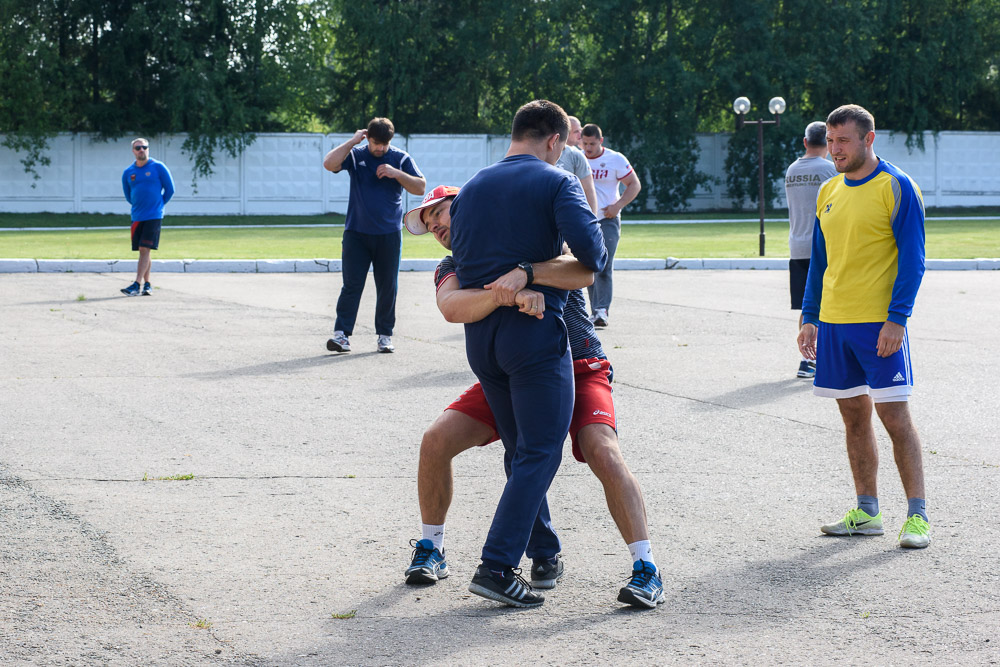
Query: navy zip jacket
[521, 209]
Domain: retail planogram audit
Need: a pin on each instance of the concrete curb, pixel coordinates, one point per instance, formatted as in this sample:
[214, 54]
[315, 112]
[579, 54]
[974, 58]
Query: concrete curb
[320, 265]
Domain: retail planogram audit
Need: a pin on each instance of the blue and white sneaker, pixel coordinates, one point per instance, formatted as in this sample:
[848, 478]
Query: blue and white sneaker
[428, 564]
[147, 289]
[644, 589]
[506, 586]
[132, 290]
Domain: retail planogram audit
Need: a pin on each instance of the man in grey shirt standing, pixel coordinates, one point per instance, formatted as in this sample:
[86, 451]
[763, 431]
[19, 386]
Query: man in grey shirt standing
[575, 162]
[802, 180]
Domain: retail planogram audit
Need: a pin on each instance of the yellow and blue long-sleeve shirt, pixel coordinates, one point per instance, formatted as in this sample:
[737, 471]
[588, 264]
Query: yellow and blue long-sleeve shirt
[868, 249]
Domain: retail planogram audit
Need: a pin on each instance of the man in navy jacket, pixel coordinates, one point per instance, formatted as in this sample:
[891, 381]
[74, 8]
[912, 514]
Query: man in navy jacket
[509, 215]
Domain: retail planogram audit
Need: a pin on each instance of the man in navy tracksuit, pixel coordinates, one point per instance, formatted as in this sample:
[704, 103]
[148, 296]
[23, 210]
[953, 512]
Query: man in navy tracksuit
[509, 215]
[373, 231]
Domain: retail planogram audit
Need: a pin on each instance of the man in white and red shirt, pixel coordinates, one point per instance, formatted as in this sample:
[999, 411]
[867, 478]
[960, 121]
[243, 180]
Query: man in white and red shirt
[609, 168]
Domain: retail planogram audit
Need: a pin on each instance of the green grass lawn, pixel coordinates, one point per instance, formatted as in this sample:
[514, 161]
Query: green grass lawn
[946, 239]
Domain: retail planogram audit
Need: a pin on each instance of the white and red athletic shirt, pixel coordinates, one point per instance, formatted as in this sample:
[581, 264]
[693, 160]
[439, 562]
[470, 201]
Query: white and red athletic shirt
[608, 169]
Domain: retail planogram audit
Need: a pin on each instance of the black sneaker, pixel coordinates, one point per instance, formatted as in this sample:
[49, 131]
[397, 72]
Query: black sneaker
[132, 290]
[428, 564]
[506, 586]
[545, 572]
[147, 290]
[807, 369]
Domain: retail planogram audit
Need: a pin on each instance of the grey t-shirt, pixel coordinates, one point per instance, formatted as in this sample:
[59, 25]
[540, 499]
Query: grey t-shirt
[574, 161]
[802, 181]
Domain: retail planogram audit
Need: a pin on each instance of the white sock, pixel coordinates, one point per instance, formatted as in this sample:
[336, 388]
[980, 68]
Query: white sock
[641, 550]
[435, 534]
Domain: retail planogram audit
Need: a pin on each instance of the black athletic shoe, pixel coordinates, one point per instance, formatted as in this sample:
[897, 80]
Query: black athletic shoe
[132, 290]
[546, 571]
[807, 369]
[506, 586]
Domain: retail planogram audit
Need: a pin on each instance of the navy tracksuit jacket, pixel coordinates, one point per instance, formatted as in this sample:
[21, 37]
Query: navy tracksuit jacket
[522, 209]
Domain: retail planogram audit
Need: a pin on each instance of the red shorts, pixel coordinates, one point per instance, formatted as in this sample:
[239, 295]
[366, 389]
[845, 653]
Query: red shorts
[594, 403]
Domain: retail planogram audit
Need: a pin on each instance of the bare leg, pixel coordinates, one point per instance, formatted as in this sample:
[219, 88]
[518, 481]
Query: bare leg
[599, 444]
[862, 450]
[895, 417]
[451, 434]
[143, 266]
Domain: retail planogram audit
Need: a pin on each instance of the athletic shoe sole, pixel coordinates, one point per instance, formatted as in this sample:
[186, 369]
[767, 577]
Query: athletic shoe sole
[806, 374]
[914, 544]
[386, 350]
[334, 346]
[490, 594]
[630, 597]
[425, 576]
[835, 532]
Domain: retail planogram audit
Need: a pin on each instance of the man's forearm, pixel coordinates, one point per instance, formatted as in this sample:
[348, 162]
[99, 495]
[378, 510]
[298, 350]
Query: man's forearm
[465, 305]
[563, 272]
[631, 192]
[415, 185]
[589, 192]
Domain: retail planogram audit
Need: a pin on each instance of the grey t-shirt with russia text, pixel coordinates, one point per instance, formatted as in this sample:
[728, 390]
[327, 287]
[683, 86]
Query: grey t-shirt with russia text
[574, 161]
[802, 181]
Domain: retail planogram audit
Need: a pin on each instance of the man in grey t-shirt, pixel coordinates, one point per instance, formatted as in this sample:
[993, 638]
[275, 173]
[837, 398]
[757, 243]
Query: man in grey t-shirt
[802, 181]
[575, 162]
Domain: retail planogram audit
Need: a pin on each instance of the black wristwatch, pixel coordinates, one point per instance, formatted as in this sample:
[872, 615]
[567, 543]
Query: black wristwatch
[527, 268]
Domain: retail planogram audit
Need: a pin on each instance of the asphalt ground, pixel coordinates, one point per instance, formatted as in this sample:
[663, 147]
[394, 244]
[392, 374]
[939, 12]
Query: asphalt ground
[303, 499]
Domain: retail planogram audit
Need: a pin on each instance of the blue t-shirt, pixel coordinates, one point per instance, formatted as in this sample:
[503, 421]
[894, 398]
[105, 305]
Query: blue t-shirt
[376, 204]
[147, 188]
[521, 209]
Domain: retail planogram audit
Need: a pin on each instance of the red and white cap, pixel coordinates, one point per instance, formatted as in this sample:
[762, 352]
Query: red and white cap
[414, 219]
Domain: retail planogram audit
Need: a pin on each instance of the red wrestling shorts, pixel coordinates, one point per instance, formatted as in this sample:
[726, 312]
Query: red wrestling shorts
[594, 403]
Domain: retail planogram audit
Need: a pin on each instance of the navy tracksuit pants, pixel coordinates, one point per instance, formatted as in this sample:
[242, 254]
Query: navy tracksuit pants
[526, 370]
[360, 251]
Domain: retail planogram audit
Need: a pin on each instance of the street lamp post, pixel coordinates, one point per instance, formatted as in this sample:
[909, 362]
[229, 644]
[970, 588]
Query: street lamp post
[777, 107]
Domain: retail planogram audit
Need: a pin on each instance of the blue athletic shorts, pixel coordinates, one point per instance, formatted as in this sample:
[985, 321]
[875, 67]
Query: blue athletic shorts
[848, 365]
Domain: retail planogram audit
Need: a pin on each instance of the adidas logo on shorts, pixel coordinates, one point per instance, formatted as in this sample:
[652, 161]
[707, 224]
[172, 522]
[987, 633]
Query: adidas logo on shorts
[899, 378]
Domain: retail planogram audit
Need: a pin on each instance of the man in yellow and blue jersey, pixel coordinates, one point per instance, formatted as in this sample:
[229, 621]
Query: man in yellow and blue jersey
[866, 266]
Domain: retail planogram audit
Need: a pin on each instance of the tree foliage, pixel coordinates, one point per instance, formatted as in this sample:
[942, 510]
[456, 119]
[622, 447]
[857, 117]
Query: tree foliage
[651, 73]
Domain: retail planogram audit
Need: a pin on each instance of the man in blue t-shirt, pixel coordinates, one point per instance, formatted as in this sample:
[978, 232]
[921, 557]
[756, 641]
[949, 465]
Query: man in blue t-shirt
[508, 216]
[373, 233]
[148, 186]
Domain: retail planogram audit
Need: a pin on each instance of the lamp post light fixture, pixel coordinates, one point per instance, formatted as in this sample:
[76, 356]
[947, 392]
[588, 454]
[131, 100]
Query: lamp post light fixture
[776, 106]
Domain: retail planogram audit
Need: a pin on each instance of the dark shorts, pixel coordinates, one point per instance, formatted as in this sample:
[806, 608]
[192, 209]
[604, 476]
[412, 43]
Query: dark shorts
[595, 403]
[798, 271]
[146, 233]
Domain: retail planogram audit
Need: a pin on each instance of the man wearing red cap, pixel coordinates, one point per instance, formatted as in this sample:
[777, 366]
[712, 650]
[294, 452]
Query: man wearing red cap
[469, 422]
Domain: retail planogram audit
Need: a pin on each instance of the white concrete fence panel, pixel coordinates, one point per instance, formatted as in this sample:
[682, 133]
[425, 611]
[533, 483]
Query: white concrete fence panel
[282, 173]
